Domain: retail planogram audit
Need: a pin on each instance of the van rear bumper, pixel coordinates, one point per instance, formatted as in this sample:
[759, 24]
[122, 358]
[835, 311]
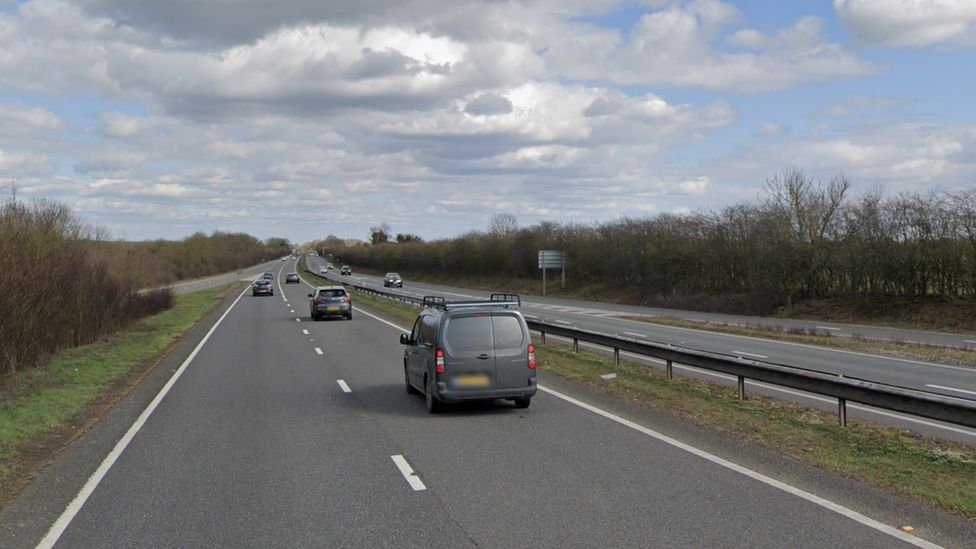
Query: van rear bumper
[455, 395]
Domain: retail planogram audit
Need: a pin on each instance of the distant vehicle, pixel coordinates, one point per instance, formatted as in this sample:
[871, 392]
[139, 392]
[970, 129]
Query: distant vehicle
[262, 287]
[330, 300]
[292, 277]
[267, 276]
[470, 350]
[329, 266]
[284, 258]
[392, 280]
[345, 270]
[323, 271]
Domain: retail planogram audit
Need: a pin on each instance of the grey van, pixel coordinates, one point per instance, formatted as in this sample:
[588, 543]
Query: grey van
[470, 350]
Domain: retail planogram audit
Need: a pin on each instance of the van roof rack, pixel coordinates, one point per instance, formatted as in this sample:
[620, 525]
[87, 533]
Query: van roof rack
[507, 298]
[496, 300]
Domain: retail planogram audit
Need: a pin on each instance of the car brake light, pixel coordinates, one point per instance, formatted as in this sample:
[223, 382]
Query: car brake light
[439, 367]
[346, 299]
[532, 362]
[318, 300]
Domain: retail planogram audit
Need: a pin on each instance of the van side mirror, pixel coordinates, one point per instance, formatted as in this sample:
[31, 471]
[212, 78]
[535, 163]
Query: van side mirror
[405, 339]
[310, 295]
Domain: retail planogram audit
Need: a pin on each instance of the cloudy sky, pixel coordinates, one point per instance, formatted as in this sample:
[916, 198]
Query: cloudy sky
[303, 118]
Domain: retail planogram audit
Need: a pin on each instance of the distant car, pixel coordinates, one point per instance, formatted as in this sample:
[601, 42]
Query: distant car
[330, 300]
[284, 259]
[267, 276]
[292, 277]
[323, 271]
[392, 280]
[345, 270]
[262, 287]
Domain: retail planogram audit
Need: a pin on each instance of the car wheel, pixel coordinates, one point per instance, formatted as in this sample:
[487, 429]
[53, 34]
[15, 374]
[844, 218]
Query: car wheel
[433, 405]
[349, 315]
[411, 390]
[522, 402]
[253, 294]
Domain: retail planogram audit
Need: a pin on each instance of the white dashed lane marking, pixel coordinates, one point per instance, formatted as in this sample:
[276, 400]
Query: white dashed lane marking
[407, 471]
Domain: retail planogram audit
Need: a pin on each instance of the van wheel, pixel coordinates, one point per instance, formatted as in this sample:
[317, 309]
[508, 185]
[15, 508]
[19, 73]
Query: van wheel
[522, 402]
[433, 405]
[411, 390]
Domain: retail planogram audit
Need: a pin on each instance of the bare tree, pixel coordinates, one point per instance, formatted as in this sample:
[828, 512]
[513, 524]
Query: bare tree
[503, 224]
[379, 234]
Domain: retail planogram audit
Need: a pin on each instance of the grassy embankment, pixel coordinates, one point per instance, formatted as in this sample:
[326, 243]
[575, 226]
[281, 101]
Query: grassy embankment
[928, 470]
[43, 409]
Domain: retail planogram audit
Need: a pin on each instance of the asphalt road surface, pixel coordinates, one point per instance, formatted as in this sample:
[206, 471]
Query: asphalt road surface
[948, 380]
[289, 433]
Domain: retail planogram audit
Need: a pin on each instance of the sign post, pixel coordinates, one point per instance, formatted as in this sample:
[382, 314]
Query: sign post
[552, 259]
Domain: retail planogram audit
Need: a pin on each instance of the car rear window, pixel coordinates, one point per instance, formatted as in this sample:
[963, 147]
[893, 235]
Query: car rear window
[469, 333]
[508, 331]
[332, 293]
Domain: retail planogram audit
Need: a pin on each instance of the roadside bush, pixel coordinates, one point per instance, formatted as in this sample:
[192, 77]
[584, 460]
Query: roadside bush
[56, 294]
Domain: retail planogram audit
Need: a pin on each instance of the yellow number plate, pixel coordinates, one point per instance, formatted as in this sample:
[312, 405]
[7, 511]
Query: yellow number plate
[472, 380]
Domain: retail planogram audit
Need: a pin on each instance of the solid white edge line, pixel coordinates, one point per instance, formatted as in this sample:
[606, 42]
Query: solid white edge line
[944, 388]
[344, 386]
[792, 490]
[362, 312]
[828, 328]
[749, 354]
[60, 525]
[407, 471]
[635, 334]
[318, 351]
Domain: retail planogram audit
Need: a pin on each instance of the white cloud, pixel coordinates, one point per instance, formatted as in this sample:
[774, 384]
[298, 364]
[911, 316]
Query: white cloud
[678, 46]
[911, 23]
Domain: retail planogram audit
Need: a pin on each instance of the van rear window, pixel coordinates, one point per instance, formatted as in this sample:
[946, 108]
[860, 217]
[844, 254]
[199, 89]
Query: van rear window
[508, 331]
[469, 333]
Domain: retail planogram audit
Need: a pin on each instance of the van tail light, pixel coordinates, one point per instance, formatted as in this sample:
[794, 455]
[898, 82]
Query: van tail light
[439, 365]
[532, 362]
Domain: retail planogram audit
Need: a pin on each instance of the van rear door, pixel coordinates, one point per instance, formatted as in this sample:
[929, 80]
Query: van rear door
[510, 342]
[469, 352]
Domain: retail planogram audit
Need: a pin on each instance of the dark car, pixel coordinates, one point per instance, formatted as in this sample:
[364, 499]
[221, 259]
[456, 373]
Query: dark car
[470, 350]
[267, 276]
[262, 287]
[292, 277]
[345, 270]
[392, 280]
[330, 300]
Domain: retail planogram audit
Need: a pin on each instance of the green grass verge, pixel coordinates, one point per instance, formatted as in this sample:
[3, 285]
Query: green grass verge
[931, 471]
[39, 402]
[910, 351]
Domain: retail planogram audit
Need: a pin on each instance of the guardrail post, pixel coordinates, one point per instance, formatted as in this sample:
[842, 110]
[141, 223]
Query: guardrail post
[842, 412]
[575, 344]
[668, 371]
[742, 388]
[543, 334]
[616, 356]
